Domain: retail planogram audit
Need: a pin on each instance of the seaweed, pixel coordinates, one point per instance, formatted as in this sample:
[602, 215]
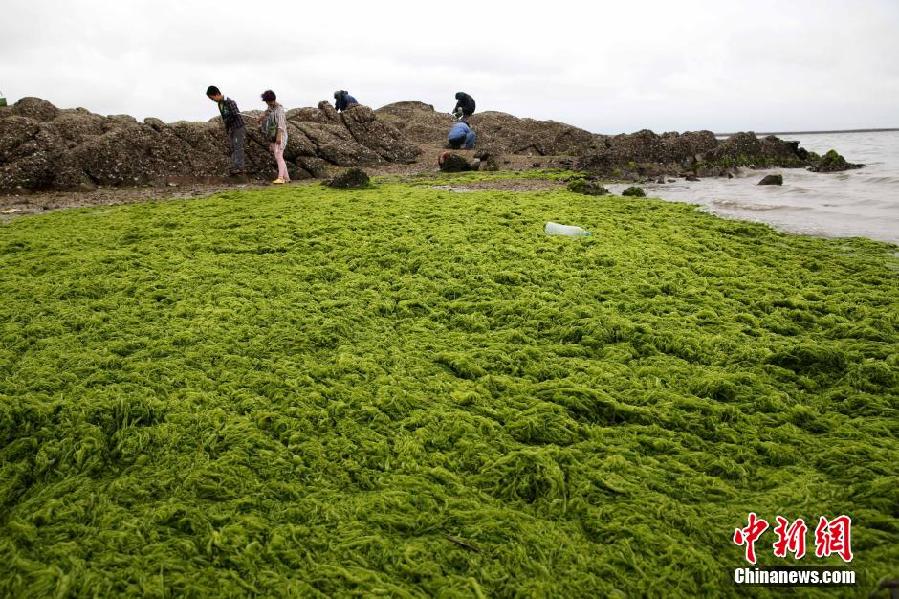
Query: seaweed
[405, 392]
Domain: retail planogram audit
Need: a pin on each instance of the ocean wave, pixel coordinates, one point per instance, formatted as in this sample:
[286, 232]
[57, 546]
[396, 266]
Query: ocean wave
[881, 180]
[753, 207]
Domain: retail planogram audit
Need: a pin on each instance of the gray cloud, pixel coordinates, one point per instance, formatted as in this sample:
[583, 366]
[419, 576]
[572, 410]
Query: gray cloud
[694, 64]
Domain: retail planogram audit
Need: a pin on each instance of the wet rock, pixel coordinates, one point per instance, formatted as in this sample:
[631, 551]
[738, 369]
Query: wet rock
[692, 178]
[489, 158]
[296, 172]
[316, 167]
[634, 192]
[353, 178]
[709, 171]
[590, 187]
[772, 180]
[450, 162]
[833, 162]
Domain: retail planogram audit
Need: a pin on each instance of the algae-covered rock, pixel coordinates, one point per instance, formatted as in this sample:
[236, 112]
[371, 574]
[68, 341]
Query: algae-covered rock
[634, 192]
[353, 178]
[590, 187]
[489, 160]
[777, 179]
[450, 162]
[833, 162]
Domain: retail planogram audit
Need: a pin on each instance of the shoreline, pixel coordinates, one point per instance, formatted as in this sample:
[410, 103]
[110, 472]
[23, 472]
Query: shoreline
[13, 207]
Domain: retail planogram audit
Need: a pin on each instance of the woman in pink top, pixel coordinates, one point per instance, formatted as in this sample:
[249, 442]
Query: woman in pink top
[274, 129]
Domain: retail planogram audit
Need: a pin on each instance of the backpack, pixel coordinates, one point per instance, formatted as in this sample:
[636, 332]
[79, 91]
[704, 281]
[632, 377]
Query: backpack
[270, 127]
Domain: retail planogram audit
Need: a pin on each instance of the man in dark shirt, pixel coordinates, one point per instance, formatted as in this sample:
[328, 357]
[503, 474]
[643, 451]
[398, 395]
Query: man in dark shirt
[465, 104]
[234, 127]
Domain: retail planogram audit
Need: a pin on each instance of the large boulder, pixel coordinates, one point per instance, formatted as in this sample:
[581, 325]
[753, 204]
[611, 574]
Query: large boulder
[352, 178]
[507, 134]
[35, 109]
[382, 137]
[450, 162]
[587, 186]
[418, 122]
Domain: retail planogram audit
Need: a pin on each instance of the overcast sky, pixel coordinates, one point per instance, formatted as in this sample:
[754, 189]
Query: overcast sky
[608, 67]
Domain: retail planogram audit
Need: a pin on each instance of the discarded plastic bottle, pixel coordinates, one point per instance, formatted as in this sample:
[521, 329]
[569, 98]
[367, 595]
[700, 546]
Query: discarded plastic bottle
[569, 230]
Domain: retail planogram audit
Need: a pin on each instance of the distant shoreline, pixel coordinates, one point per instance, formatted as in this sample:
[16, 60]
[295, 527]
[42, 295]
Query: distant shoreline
[814, 132]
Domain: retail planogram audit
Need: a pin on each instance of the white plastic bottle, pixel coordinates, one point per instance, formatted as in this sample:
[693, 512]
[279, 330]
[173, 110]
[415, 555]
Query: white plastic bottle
[552, 228]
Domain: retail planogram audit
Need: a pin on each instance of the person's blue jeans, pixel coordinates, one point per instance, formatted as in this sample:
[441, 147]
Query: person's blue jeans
[466, 142]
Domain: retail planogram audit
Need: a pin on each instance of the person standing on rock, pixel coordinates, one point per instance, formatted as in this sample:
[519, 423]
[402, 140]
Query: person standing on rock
[461, 136]
[464, 105]
[274, 130]
[234, 127]
[343, 100]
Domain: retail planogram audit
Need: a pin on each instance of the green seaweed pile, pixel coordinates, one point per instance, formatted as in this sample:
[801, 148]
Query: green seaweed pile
[410, 392]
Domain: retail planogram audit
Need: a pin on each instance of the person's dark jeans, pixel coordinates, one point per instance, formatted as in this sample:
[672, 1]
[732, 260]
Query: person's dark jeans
[237, 137]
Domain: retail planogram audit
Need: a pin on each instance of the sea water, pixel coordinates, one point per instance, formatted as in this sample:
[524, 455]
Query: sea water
[861, 202]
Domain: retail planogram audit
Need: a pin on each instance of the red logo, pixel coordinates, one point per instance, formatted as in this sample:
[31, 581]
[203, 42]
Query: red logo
[832, 537]
[749, 535]
[790, 539]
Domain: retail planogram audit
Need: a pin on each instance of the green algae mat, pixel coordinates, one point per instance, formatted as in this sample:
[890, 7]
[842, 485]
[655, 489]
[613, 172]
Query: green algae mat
[411, 392]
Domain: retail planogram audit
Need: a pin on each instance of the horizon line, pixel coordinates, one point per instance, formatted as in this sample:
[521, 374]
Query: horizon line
[871, 130]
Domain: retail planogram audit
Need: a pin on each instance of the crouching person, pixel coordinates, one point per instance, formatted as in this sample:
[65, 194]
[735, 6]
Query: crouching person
[343, 100]
[461, 136]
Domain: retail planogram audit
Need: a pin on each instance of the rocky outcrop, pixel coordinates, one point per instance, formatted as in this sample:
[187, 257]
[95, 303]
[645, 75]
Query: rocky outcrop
[43, 147]
[772, 180]
[499, 132]
[643, 155]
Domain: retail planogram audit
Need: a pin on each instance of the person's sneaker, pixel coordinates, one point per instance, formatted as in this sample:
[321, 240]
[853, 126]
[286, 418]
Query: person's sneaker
[278, 181]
